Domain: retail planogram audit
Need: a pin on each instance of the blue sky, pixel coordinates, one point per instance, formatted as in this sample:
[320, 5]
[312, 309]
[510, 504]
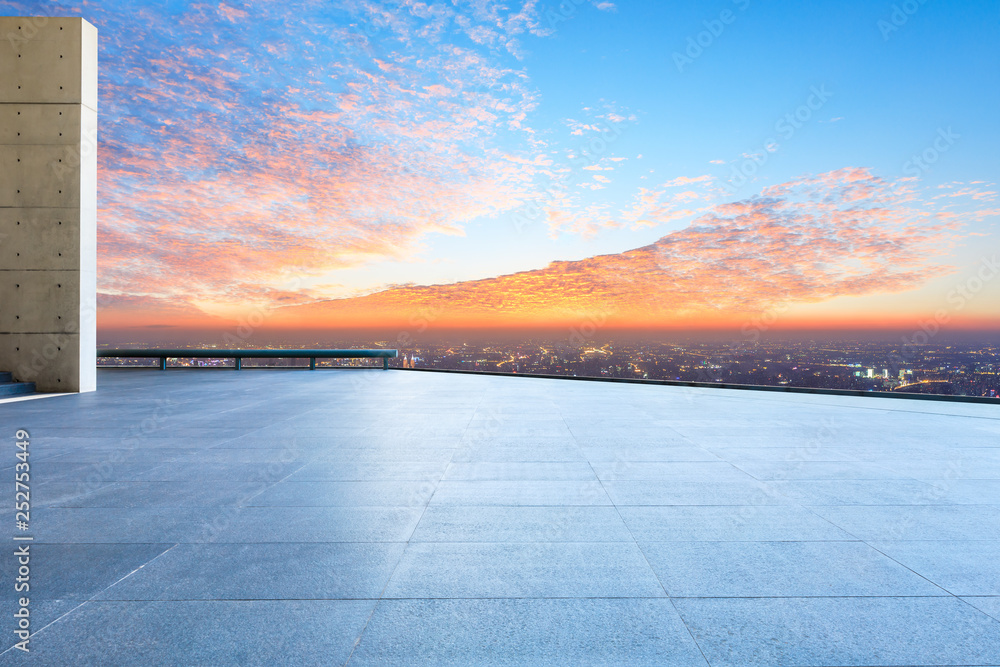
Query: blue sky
[291, 153]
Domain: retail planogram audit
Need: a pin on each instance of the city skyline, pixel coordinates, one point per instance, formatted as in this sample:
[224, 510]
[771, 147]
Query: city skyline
[929, 365]
[368, 165]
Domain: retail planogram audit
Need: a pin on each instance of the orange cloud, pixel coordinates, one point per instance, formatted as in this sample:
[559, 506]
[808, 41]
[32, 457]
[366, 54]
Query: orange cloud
[219, 179]
[836, 234]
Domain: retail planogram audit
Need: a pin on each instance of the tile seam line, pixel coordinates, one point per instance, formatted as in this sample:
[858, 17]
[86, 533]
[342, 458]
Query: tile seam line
[265, 487]
[908, 568]
[602, 542]
[869, 545]
[536, 597]
[91, 599]
[540, 598]
[395, 567]
[645, 559]
[844, 541]
[954, 595]
[995, 617]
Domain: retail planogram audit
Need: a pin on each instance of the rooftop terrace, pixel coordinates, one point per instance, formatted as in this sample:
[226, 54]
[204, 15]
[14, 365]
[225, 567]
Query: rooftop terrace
[369, 517]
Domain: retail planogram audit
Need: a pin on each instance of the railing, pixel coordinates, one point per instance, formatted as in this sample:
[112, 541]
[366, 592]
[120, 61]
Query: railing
[727, 385]
[385, 355]
[240, 355]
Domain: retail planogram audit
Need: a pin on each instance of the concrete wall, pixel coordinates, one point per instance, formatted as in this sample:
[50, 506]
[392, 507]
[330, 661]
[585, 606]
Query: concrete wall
[48, 202]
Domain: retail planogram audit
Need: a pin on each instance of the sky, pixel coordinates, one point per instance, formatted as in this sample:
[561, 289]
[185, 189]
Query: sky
[515, 165]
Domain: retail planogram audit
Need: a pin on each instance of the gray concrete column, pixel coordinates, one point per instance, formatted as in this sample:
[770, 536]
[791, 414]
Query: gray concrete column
[48, 202]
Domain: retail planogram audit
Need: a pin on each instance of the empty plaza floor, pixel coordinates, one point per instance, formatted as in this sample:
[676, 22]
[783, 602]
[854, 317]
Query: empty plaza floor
[367, 517]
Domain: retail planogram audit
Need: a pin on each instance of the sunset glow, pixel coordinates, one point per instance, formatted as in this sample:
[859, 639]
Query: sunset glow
[356, 164]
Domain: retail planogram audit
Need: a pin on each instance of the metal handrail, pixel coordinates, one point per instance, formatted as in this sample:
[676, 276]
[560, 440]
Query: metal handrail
[239, 355]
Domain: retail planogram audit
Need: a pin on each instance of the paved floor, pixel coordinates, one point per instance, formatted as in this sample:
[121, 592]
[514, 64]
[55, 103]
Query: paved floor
[370, 517]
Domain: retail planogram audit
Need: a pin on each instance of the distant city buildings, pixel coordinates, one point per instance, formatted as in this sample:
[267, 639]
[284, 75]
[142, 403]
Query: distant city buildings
[970, 369]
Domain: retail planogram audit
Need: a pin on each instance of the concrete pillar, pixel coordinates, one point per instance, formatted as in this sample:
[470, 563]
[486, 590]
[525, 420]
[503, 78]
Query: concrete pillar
[48, 202]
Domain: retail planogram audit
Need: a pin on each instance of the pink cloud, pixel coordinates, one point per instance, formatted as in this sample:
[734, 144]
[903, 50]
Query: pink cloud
[236, 192]
[685, 180]
[815, 241]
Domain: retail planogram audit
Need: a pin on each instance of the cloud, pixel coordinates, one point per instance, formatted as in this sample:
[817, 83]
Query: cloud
[234, 160]
[587, 221]
[578, 128]
[123, 311]
[232, 13]
[976, 190]
[808, 240]
[247, 150]
[650, 206]
[685, 180]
